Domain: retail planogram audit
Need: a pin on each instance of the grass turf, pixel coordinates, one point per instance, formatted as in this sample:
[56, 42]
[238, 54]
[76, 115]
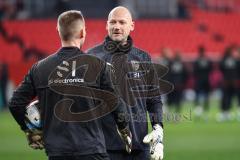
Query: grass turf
[186, 139]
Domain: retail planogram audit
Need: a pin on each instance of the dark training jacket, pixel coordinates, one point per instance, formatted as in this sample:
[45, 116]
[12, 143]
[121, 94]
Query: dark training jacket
[130, 74]
[74, 92]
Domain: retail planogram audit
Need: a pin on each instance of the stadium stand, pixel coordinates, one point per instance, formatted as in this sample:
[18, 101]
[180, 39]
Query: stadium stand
[214, 30]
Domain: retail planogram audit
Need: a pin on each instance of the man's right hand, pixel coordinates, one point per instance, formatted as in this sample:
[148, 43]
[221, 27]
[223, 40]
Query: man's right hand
[34, 139]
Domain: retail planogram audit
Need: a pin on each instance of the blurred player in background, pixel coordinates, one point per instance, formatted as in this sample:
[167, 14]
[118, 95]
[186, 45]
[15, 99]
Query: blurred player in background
[118, 49]
[178, 77]
[228, 67]
[238, 82]
[202, 68]
[3, 83]
[64, 91]
[165, 59]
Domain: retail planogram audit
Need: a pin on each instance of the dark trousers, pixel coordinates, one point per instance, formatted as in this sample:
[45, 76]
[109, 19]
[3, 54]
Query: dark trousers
[98, 156]
[175, 98]
[123, 155]
[3, 88]
[238, 96]
[202, 98]
[228, 93]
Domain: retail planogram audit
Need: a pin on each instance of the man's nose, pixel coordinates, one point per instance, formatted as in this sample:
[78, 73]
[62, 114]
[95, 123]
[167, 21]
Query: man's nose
[116, 26]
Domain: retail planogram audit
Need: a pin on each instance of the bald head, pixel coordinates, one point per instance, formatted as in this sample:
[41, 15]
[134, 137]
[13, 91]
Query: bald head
[120, 11]
[119, 24]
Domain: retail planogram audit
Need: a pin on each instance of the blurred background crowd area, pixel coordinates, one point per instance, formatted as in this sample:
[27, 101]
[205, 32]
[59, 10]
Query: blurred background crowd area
[198, 40]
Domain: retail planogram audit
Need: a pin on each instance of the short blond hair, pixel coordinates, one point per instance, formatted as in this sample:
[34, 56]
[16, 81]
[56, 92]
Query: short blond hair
[69, 24]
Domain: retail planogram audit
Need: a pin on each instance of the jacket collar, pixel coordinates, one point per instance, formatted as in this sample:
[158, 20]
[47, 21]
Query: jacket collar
[67, 51]
[111, 46]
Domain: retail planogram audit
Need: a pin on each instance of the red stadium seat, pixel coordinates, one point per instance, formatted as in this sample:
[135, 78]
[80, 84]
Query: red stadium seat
[221, 30]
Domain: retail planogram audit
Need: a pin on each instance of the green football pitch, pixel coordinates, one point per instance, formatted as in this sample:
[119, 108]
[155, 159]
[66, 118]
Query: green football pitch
[186, 138]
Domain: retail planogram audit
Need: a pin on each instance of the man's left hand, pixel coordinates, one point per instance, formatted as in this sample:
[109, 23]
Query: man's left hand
[154, 139]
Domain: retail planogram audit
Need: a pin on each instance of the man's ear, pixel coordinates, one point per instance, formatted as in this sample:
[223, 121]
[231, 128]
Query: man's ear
[81, 34]
[132, 26]
[107, 26]
[58, 30]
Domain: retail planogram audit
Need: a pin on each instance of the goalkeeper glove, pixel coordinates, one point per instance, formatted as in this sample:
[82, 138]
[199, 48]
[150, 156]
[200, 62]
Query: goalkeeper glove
[126, 136]
[34, 139]
[154, 139]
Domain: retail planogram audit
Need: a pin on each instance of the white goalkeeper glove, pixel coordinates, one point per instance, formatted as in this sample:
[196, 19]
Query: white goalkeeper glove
[154, 139]
[126, 136]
